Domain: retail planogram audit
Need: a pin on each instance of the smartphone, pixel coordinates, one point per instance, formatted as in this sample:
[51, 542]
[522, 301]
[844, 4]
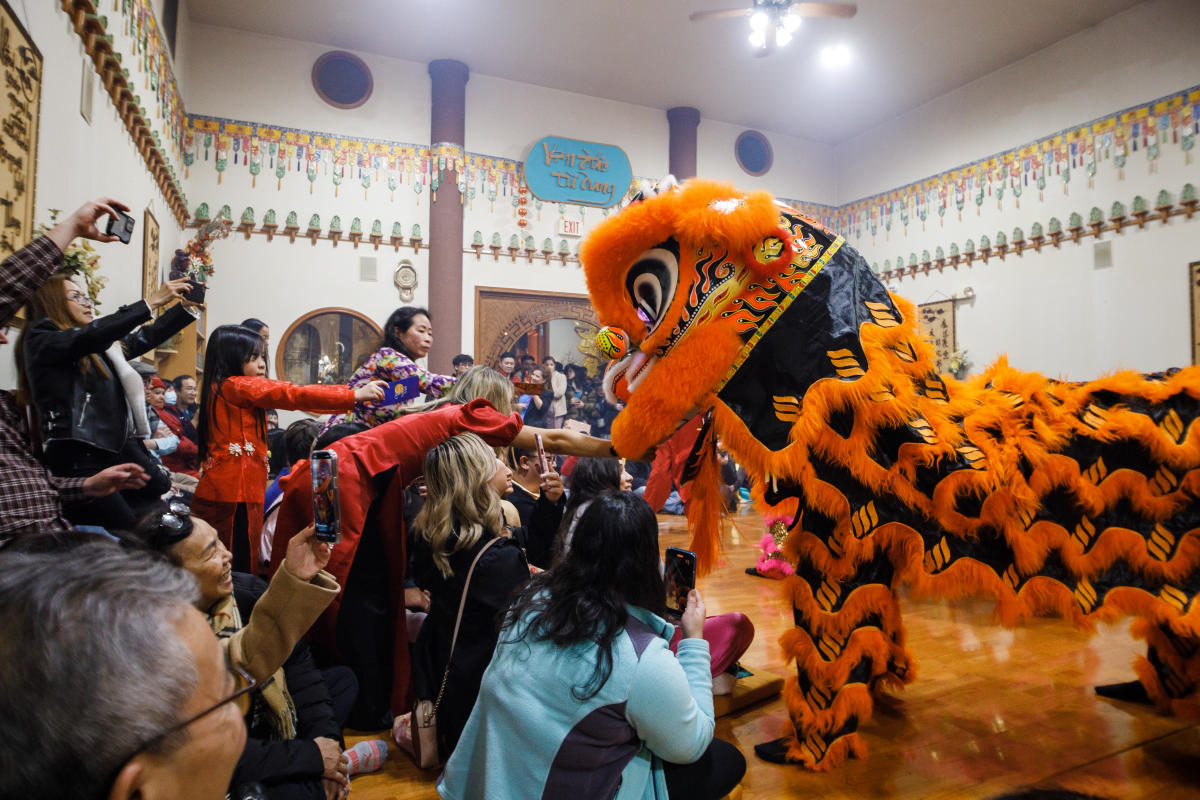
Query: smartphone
[680, 578]
[196, 293]
[543, 462]
[120, 226]
[326, 510]
[579, 395]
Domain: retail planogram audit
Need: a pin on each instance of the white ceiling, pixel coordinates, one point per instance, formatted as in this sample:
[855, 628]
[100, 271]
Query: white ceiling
[647, 52]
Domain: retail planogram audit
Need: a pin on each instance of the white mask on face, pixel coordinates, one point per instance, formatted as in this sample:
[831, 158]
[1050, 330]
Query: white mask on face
[170, 398]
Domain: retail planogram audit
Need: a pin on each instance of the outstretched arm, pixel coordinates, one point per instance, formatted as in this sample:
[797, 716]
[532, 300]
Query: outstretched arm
[564, 442]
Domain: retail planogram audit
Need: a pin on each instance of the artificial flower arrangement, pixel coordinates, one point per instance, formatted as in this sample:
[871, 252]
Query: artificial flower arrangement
[958, 363]
[195, 260]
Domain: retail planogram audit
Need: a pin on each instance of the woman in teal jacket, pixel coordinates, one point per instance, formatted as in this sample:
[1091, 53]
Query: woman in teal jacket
[583, 678]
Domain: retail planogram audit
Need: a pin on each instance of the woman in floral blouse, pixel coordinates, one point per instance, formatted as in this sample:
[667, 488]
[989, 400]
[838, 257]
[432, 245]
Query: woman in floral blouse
[407, 336]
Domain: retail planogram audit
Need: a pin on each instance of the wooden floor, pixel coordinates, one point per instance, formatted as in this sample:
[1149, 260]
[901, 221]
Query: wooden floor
[992, 710]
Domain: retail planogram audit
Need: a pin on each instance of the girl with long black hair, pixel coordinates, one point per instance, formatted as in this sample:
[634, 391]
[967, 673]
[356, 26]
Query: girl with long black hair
[582, 677]
[407, 337]
[232, 430]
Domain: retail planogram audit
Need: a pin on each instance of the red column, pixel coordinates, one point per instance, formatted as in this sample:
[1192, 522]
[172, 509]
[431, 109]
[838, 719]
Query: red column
[683, 121]
[447, 126]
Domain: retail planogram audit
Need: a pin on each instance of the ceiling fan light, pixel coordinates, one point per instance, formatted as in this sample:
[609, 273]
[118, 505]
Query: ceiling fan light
[758, 38]
[758, 21]
[836, 56]
[782, 37]
[790, 21]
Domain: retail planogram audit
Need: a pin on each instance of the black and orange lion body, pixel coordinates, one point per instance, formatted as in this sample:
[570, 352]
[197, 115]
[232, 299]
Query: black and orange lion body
[1066, 499]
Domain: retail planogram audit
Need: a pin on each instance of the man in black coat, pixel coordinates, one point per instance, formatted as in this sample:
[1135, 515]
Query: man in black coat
[538, 498]
[322, 701]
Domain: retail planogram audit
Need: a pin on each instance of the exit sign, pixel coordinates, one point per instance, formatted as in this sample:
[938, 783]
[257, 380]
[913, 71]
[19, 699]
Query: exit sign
[569, 227]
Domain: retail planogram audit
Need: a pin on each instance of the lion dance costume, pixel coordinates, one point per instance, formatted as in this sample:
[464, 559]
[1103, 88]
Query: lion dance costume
[1056, 498]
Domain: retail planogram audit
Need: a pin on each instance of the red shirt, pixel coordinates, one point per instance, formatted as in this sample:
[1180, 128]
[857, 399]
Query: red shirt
[235, 470]
[186, 457]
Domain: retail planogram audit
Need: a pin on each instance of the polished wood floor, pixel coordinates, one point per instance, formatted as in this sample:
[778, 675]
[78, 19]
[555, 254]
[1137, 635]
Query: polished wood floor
[992, 710]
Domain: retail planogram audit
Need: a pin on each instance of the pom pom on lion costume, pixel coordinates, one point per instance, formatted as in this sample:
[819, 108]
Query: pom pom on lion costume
[1068, 499]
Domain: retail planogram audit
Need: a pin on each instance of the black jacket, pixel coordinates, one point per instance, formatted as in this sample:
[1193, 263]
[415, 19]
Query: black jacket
[500, 574]
[90, 407]
[270, 762]
[540, 517]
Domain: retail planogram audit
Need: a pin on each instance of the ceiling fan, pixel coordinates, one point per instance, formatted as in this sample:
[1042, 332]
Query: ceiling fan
[772, 22]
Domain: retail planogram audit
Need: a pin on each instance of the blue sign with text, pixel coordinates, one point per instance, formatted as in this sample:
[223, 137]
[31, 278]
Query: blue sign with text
[559, 170]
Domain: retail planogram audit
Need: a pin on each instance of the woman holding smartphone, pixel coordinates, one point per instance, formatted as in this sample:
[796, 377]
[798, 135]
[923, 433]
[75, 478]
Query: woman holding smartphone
[583, 678]
[91, 405]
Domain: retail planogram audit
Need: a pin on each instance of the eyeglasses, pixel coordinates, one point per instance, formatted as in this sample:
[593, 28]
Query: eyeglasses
[246, 685]
[174, 525]
[81, 299]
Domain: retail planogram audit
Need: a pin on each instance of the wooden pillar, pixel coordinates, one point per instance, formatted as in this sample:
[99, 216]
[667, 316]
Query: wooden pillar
[447, 126]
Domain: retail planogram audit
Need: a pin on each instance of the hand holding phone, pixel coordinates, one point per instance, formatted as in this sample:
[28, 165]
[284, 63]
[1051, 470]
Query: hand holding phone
[543, 462]
[120, 226]
[679, 576]
[196, 293]
[326, 509]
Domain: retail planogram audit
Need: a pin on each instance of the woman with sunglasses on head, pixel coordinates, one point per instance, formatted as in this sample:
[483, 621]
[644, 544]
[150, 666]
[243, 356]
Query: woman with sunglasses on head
[90, 402]
[295, 716]
[232, 429]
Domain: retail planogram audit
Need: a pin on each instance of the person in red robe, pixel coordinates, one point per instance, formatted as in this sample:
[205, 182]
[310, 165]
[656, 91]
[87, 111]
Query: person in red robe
[370, 561]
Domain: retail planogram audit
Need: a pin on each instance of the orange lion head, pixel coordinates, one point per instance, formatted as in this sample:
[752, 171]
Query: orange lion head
[683, 280]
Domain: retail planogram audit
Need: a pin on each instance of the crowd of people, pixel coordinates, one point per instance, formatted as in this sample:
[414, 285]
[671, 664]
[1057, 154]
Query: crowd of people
[184, 631]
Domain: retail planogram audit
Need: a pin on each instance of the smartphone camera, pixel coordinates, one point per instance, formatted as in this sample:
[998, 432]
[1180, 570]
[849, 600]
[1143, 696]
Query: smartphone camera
[120, 226]
[326, 511]
[680, 578]
[196, 293]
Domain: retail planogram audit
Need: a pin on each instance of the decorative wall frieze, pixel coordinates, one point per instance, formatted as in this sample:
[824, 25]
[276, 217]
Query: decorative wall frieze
[1053, 233]
[149, 59]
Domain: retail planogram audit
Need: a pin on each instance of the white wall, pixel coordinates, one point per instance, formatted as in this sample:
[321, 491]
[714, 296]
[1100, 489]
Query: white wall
[78, 162]
[1052, 312]
[802, 170]
[1145, 52]
[265, 79]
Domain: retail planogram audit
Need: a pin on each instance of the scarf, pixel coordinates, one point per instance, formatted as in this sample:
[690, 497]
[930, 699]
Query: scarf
[280, 712]
[131, 383]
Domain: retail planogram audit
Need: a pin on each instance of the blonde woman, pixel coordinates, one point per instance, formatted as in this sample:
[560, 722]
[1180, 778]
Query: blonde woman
[374, 467]
[464, 481]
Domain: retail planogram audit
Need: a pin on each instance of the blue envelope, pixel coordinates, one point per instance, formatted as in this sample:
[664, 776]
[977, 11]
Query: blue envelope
[401, 391]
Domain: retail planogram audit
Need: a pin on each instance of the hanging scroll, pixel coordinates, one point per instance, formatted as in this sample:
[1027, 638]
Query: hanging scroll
[20, 111]
[1194, 276]
[151, 277]
[937, 323]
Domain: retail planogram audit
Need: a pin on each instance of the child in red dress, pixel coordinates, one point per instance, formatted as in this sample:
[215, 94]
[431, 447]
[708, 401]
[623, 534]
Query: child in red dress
[232, 430]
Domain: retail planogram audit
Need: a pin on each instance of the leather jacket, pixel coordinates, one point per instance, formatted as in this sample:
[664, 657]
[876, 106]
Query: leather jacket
[88, 406]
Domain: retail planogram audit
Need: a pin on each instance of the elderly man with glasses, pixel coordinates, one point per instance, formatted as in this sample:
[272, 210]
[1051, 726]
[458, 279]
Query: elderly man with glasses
[112, 684]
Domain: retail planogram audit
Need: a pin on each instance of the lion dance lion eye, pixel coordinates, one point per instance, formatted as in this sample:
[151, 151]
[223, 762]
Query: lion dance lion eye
[651, 281]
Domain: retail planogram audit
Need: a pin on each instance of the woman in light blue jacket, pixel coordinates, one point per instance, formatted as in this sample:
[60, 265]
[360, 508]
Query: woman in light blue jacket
[583, 679]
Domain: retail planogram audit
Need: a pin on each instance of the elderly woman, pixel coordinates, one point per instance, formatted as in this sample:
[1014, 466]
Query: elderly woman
[294, 745]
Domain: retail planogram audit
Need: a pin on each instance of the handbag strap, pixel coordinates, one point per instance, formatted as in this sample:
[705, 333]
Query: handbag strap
[457, 623]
